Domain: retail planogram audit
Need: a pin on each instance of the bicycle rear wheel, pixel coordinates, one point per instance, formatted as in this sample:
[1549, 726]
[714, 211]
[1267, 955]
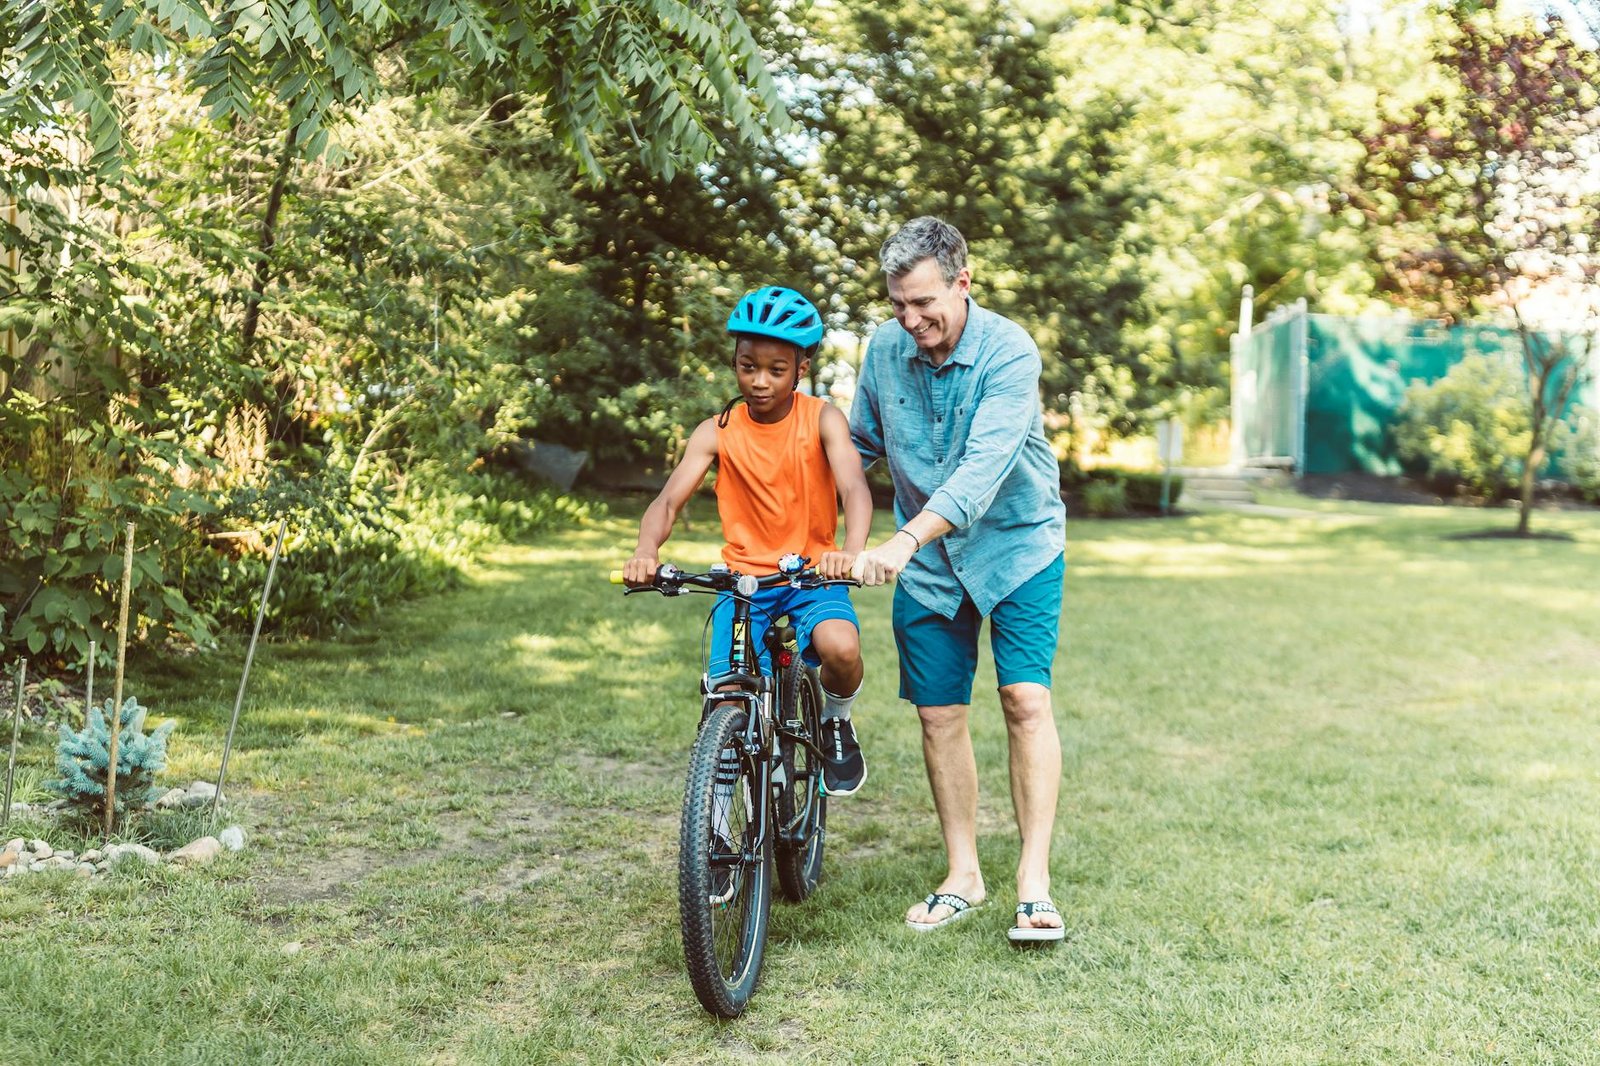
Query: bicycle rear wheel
[802, 809]
[724, 875]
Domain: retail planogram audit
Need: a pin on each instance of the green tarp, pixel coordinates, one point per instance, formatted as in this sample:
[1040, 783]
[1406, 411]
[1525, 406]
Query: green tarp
[1355, 372]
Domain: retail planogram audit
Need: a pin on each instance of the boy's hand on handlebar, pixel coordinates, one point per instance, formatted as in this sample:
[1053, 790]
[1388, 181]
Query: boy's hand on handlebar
[880, 565]
[640, 571]
[835, 566]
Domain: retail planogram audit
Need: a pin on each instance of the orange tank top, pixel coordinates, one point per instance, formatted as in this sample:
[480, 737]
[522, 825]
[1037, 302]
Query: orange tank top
[775, 488]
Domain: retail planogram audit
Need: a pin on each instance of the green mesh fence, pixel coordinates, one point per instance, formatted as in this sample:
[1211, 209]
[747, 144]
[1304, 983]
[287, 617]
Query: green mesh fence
[1355, 373]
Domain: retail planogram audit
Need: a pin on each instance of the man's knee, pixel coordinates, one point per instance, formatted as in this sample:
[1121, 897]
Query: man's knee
[1027, 705]
[943, 721]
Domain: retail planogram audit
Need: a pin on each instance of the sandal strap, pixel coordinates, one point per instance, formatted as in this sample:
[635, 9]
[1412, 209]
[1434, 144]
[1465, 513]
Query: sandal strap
[949, 899]
[1037, 906]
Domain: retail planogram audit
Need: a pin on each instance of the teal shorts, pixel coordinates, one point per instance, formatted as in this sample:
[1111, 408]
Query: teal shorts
[939, 655]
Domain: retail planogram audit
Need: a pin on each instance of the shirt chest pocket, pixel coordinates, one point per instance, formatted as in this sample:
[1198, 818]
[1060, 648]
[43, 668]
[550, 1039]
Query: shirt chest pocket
[905, 421]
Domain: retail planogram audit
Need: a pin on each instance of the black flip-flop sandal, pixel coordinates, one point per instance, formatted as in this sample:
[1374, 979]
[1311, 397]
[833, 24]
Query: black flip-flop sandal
[1019, 934]
[960, 908]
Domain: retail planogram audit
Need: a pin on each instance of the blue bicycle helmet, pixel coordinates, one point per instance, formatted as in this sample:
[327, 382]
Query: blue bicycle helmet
[778, 312]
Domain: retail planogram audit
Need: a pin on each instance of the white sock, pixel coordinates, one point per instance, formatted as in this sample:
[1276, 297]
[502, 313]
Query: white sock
[838, 706]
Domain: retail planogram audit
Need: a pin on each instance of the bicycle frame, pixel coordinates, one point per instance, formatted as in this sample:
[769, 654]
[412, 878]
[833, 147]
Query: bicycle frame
[746, 682]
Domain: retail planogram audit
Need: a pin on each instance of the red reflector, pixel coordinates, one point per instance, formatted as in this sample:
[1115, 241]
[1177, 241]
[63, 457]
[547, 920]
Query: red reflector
[785, 658]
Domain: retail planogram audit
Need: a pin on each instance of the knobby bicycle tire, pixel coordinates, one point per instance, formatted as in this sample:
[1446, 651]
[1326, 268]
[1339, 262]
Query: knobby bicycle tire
[800, 863]
[723, 941]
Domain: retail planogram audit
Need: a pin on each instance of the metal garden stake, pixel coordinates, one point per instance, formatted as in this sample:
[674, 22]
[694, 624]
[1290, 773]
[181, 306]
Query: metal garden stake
[250, 654]
[88, 690]
[16, 727]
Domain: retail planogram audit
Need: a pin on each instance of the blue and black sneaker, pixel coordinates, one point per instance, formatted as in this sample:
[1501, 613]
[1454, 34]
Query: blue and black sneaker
[844, 770]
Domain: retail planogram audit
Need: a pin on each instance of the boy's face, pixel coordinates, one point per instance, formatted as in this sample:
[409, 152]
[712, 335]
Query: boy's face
[768, 370]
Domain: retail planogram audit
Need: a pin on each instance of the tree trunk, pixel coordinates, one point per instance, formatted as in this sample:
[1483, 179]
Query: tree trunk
[1529, 469]
[269, 237]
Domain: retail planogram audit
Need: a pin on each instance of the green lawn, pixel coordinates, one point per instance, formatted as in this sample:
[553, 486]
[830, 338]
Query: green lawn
[1330, 795]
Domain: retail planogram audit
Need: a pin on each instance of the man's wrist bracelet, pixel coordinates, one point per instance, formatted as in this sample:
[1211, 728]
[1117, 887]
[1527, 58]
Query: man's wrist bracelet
[914, 538]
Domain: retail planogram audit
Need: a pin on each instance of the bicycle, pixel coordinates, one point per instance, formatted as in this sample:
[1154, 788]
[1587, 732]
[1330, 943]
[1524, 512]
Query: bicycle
[754, 798]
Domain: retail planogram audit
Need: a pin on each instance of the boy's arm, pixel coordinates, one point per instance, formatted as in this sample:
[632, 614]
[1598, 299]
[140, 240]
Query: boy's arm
[851, 481]
[656, 525]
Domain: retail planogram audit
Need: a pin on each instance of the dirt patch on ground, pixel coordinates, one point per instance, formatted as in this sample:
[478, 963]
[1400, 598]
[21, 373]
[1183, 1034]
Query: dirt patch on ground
[317, 875]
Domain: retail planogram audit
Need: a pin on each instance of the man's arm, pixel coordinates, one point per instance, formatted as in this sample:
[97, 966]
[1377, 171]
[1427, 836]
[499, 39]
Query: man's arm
[866, 425]
[1008, 403]
[999, 429]
[656, 525]
[852, 484]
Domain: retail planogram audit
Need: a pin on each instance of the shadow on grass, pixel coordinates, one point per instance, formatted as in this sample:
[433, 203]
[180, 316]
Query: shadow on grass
[1511, 534]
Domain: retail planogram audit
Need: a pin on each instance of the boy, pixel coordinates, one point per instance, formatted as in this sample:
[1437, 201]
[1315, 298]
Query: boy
[783, 462]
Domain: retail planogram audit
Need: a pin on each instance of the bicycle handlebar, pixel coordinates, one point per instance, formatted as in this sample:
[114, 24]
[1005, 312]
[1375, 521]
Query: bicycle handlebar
[670, 581]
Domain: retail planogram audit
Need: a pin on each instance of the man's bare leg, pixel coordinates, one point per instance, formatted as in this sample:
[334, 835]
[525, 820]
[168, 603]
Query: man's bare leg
[1035, 786]
[953, 777]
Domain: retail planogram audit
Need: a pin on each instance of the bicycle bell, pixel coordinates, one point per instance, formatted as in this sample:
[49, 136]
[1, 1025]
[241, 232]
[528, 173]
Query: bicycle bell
[791, 564]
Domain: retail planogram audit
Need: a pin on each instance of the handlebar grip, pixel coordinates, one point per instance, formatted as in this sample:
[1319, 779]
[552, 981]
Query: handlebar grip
[616, 577]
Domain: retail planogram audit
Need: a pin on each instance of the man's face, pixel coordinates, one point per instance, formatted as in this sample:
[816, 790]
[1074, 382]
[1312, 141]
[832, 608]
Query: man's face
[932, 310]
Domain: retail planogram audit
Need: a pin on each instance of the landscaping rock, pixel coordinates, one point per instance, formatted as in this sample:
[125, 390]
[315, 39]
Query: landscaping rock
[172, 798]
[41, 850]
[204, 789]
[197, 852]
[92, 855]
[232, 838]
[117, 854]
[84, 869]
[16, 844]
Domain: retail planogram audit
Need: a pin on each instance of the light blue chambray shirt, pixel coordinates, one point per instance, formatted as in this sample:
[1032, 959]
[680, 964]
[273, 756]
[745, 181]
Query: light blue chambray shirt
[965, 441]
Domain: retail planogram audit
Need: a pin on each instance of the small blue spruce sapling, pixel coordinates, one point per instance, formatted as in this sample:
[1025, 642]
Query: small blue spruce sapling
[83, 755]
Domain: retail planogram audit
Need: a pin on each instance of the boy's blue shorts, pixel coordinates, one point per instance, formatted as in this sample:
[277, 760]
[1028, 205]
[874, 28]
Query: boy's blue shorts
[939, 655]
[805, 608]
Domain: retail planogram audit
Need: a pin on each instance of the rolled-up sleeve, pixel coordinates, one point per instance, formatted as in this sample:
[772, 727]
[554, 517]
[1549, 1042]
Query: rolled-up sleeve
[1008, 399]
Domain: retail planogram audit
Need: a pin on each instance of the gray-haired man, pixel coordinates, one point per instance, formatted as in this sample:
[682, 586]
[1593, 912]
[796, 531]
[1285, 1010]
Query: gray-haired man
[949, 394]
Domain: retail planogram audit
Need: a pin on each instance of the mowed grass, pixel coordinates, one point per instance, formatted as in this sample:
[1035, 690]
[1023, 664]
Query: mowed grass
[1329, 795]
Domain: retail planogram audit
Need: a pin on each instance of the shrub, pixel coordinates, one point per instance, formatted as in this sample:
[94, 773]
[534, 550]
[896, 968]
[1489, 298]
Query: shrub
[1140, 489]
[1144, 490]
[82, 757]
[1470, 428]
[349, 553]
[1579, 444]
[1105, 499]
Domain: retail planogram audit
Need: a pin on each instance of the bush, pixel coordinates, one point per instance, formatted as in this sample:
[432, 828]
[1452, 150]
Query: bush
[349, 553]
[1578, 441]
[1140, 490]
[1144, 490]
[1470, 429]
[1105, 499]
[82, 757]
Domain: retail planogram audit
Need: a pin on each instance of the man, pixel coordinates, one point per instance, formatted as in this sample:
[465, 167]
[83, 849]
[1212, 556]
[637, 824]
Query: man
[949, 394]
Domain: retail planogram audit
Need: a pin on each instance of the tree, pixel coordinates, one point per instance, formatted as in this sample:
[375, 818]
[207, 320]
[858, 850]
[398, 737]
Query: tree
[957, 110]
[1487, 199]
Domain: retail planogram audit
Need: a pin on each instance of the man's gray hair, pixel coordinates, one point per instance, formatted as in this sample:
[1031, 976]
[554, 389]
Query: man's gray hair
[924, 238]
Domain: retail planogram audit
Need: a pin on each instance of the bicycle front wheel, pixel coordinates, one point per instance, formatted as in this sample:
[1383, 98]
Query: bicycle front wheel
[801, 807]
[724, 867]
